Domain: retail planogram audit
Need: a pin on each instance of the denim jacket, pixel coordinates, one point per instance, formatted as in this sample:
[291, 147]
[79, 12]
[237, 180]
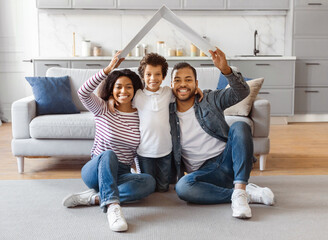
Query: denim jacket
[209, 112]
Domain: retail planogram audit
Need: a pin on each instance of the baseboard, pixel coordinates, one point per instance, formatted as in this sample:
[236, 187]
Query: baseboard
[278, 121]
[308, 118]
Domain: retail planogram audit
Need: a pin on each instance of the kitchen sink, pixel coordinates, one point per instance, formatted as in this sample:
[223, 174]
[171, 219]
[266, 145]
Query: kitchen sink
[258, 55]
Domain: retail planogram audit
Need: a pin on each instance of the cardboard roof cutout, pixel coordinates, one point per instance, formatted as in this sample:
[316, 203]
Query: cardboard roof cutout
[167, 14]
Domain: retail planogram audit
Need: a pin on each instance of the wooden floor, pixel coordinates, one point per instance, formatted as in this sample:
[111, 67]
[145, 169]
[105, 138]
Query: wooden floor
[296, 149]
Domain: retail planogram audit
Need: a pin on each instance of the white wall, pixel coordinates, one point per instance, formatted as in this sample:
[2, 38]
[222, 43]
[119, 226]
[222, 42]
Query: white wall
[233, 34]
[18, 38]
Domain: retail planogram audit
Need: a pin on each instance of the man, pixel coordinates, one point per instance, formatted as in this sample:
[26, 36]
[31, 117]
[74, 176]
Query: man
[218, 159]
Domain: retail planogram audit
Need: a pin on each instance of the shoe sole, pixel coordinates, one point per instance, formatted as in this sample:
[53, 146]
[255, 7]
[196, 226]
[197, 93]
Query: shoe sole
[242, 216]
[66, 199]
[119, 230]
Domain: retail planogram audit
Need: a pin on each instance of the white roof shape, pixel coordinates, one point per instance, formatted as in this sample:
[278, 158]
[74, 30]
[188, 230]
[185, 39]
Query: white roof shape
[167, 14]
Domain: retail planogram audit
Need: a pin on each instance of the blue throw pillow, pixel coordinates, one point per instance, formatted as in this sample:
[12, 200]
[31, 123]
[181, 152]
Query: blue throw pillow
[223, 81]
[52, 95]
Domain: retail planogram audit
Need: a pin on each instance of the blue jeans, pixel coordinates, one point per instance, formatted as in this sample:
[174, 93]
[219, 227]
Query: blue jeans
[114, 180]
[214, 181]
[159, 169]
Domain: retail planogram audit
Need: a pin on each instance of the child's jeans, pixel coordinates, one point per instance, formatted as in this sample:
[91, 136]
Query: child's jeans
[159, 168]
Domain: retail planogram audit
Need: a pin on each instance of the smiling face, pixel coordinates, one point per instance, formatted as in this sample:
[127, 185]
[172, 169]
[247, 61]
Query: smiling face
[153, 77]
[123, 90]
[184, 84]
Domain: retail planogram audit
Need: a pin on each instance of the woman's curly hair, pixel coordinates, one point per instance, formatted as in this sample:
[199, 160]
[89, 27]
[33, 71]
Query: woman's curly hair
[105, 89]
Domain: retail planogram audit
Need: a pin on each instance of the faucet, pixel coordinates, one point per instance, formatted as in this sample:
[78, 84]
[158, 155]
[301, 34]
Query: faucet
[256, 51]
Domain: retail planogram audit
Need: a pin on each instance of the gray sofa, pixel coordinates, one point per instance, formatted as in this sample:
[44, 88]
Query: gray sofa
[73, 134]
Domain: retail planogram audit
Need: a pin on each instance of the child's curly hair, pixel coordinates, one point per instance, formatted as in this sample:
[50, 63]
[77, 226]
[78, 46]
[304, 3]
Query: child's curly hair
[153, 59]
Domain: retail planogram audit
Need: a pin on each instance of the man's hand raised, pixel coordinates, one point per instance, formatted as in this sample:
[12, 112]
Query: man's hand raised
[220, 61]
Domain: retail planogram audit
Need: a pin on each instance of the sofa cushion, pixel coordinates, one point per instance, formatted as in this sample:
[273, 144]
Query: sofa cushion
[52, 95]
[231, 119]
[63, 126]
[77, 77]
[244, 107]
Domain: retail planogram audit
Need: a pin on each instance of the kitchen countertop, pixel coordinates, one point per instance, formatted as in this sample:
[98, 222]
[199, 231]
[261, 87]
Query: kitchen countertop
[104, 58]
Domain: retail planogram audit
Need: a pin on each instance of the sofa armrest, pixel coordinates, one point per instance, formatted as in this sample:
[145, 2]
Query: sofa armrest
[22, 112]
[260, 115]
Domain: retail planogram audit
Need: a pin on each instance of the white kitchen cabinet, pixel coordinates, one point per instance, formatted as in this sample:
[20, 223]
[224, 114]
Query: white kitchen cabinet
[311, 73]
[310, 46]
[258, 4]
[204, 4]
[41, 66]
[94, 4]
[281, 101]
[148, 4]
[53, 3]
[311, 4]
[277, 74]
[278, 86]
[311, 100]
[89, 64]
[311, 23]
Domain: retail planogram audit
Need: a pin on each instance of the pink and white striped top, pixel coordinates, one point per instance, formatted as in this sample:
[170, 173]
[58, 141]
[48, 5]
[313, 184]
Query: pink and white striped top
[118, 132]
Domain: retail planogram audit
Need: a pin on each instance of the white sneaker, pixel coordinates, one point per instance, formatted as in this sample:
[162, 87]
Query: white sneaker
[78, 199]
[259, 194]
[239, 204]
[116, 220]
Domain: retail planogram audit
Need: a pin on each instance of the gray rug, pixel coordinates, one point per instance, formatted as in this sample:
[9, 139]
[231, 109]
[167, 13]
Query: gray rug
[31, 209]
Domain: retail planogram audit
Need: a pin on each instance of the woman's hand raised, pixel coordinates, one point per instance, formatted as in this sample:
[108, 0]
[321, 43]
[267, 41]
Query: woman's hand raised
[114, 63]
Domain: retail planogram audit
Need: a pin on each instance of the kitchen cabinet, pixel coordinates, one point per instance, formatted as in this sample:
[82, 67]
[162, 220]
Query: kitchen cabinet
[310, 46]
[311, 100]
[258, 4]
[204, 4]
[311, 4]
[279, 84]
[94, 4]
[89, 64]
[306, 23]
[172, 4]
[41, 66]
[53, 3]
[148, 4]
[311, 73]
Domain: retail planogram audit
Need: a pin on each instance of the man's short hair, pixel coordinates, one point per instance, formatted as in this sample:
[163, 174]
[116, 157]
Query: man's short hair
[183, 65]
[153, 59]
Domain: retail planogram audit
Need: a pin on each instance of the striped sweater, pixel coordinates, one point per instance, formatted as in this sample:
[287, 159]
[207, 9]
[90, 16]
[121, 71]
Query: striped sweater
[118, 132]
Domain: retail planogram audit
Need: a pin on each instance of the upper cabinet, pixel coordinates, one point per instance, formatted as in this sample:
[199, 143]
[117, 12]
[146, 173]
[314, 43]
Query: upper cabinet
[53, 4]
[172, 4]
[148, 4]
[204, 4]
[94, 4]
[258, 4]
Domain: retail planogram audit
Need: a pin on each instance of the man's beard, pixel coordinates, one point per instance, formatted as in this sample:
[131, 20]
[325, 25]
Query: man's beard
[191, 95]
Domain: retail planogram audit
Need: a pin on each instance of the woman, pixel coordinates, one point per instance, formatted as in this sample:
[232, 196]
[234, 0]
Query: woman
[116, 140]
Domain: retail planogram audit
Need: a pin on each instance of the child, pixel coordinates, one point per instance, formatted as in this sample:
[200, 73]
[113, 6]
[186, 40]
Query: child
[154, 151]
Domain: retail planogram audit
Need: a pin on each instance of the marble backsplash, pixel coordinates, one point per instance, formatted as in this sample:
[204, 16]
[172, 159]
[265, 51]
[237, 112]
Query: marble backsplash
[233, 34]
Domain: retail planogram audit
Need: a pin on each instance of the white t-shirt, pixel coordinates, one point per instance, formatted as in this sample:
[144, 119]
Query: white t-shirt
[197, 145]
[153, 110]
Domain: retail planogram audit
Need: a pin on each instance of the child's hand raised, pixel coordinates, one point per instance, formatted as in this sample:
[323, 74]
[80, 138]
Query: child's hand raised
[111, 103]
[200, 93]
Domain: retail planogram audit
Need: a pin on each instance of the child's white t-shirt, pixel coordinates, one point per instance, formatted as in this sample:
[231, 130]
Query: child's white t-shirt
[153, 110]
